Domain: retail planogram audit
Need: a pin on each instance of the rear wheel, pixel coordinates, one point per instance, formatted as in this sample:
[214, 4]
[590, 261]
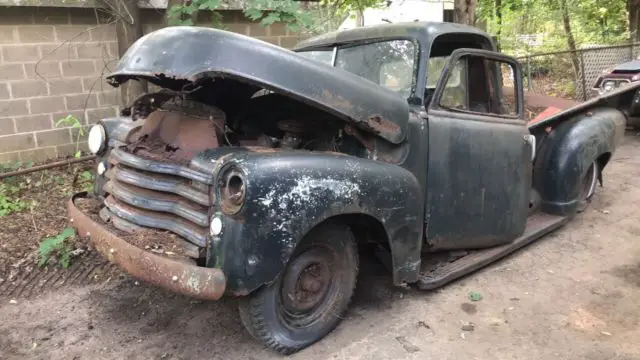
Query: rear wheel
[309, 298]
[588, 186]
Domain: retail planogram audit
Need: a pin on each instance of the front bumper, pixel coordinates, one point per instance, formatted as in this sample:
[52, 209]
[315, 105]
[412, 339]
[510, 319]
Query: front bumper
[176, 276]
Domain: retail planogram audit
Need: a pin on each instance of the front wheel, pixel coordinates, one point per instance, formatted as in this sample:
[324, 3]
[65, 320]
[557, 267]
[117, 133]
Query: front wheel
[309, 298]
[588, 186]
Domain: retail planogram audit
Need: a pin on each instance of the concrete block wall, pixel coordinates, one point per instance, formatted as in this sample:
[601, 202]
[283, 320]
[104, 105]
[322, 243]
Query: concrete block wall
[52, 64]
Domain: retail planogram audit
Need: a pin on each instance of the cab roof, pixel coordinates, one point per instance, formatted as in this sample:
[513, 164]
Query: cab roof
[424, 31]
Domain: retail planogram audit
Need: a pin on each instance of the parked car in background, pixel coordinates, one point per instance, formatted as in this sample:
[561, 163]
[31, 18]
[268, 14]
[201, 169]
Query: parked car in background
[621, 75]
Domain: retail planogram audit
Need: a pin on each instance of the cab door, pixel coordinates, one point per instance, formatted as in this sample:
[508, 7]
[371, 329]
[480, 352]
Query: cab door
[479, 159]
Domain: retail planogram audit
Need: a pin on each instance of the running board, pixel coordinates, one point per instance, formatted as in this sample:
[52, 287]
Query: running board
[437, 275]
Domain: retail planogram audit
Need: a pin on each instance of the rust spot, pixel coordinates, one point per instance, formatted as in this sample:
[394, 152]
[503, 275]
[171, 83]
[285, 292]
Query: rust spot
[382, 126]
[176, 136]
[365, 141]
[176, 276]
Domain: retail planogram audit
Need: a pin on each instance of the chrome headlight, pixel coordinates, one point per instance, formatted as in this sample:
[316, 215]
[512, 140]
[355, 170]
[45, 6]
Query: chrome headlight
[608, 86]
[232, 187]
[97, 139]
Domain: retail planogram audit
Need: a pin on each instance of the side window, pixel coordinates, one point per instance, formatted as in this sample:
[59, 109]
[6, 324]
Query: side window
[481, 85]
[455, 93]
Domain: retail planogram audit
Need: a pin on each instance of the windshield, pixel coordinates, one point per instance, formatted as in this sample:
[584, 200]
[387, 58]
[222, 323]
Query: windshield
[387, 63]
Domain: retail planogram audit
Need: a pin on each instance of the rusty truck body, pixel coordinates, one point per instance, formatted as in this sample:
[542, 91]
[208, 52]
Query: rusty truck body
[272, 169]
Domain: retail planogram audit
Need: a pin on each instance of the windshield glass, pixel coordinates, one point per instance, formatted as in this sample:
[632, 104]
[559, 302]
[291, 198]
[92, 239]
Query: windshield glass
[386, 63]
[324, 56]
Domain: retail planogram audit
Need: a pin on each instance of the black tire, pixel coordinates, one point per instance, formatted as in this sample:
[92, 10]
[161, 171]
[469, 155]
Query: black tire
[289, 325]
[588, 185]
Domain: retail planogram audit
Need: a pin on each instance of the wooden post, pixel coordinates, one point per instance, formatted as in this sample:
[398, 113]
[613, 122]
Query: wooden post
[128, 30]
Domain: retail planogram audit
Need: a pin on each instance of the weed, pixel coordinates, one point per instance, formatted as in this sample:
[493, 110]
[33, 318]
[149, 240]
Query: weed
[59, 246]
[73, 122]
[8, 204]
[475, 296]
[85, 180]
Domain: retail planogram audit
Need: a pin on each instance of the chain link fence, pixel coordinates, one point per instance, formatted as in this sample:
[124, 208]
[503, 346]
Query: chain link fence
[572, 74]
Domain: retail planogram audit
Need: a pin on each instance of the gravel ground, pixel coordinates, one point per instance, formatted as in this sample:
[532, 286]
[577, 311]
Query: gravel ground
[571, 295]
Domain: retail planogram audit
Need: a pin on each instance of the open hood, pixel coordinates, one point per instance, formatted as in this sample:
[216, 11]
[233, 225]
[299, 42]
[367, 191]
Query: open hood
[175, 57]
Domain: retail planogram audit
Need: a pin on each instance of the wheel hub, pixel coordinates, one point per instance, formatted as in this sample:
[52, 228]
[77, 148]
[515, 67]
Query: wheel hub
[305, 286]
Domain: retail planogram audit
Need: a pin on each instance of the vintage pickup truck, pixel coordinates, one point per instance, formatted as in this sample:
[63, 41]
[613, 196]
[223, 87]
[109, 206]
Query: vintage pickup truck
[273, 168]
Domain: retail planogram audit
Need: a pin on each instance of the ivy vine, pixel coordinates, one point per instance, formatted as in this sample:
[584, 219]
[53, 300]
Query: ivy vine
[267, 12]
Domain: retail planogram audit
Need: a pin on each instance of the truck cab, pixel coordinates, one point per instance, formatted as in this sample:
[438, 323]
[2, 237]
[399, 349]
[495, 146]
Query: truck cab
[263, 171]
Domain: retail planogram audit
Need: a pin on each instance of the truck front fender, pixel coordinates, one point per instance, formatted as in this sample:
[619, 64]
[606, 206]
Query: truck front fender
[567, 152]
[288, 193]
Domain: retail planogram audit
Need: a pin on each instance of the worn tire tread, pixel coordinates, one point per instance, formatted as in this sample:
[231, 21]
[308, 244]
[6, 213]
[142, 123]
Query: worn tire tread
[250, 308]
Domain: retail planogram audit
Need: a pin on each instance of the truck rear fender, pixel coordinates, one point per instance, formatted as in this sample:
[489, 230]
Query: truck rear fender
[567, 151]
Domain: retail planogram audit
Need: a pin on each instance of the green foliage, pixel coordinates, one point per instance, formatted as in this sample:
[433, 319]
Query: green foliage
[8, 203]
[184, 14]
[475, 296]
[85, 180]
[59, 246]
[602, 22]
[10, 188]
[277, 11]
[73, 122]
[288, 12]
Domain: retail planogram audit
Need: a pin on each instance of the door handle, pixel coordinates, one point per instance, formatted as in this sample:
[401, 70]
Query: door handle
[531, 140]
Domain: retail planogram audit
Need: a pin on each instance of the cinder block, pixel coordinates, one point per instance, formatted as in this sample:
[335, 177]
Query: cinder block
[58, 52]
[95, 115]
[94, 50]
[40, 154]
[13, 107]
[36, 34]
[28, 88]
[43, 69]
[4, 91]
[20, 53]
[8, 34]
[78, 68]
[46, 105]
[72, 33]
[53, 137]
[65, 86]
[16, 142]
[81, 101]
[9, 157]
[6, 126]
[11, 72]
[33, 123]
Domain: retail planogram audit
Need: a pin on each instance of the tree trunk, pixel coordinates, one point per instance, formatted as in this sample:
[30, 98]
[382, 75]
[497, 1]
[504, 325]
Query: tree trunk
[633, 7]
[465, 11]
[128, 30]
[571, 41]
[498, 19]
[360, 17]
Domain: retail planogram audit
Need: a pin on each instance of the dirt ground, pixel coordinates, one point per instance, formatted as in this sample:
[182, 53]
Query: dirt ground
[571, 295]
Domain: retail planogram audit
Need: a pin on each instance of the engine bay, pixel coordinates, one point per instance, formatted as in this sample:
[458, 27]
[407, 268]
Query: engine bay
[178, 126]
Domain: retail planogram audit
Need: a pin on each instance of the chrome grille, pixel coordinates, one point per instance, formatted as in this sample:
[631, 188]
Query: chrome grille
[159, 195]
